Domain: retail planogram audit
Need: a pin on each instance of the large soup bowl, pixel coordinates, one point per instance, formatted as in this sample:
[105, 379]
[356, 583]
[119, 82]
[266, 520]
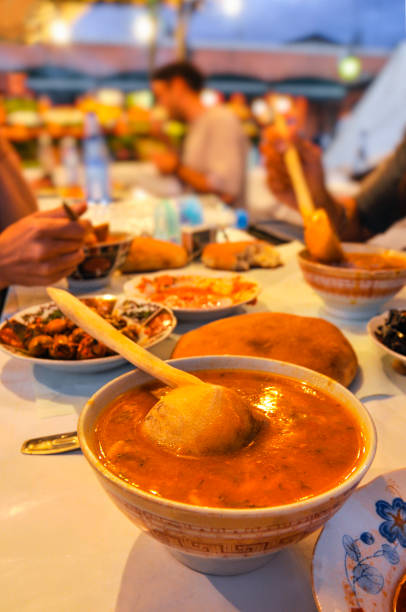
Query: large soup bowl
[353, 293]
[223, 540]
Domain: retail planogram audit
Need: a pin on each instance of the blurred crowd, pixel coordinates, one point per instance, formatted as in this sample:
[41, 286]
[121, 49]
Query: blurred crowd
[38, 248]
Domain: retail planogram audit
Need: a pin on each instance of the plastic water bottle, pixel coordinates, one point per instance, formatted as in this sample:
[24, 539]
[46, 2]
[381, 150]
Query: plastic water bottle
[46, 156]
[70, 161]
[166, 221]
[96, 162]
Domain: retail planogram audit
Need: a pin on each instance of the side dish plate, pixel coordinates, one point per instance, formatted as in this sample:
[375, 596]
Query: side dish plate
[360, 556]
[195, 297]
[154, 323]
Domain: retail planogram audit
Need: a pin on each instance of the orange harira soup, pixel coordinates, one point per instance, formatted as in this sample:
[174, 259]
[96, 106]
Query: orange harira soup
[305, 443]
[374, 261]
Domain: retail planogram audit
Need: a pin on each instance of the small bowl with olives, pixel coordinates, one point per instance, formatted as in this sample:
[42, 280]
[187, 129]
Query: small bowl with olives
[388, 331]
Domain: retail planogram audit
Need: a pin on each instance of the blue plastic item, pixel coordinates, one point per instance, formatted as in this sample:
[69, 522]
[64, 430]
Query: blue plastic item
[241, 218]
[191, 210]
[167, 222]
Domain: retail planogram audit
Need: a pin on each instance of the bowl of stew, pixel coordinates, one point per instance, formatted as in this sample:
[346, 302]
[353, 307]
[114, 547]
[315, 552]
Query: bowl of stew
[101, 260]
[228, 513]
[358, 287]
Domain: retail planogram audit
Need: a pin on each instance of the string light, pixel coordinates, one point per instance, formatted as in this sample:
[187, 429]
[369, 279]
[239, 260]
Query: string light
[144, 29]
[282, 104]
[349, 68]
[232, 8]
[60, 32]
[209, 97]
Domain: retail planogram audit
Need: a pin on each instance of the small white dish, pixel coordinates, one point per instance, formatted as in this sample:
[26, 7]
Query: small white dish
[87, 366]
[194, 314]
[372, 326]
[360, 555]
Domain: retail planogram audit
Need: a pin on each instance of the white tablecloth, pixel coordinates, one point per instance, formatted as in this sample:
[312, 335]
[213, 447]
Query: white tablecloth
[64, 546]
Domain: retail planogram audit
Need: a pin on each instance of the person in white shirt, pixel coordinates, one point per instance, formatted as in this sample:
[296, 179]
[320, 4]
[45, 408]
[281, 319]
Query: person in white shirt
[214, 153]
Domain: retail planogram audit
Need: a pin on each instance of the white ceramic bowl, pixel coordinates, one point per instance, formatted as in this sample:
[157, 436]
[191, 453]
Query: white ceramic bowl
[352, 293]
[372, 327]
[222, 540]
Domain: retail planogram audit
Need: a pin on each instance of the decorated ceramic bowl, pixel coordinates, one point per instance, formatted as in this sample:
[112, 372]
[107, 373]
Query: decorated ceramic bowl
[224, 540]
[354, 293]
[360, 556]
[100, 261]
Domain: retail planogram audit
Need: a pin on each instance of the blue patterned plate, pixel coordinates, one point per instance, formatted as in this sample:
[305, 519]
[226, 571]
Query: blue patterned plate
[360, 555]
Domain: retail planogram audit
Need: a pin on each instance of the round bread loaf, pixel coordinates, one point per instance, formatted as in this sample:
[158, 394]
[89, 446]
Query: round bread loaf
[310, 342]
[148, 254]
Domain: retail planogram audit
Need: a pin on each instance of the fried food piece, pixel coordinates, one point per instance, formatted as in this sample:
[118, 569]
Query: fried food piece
[9, 335]
[40, 345]
[62, 347]
[89, 348]
[61, 325]
[151, 254]
[101, 232]
[200, 420]
[306, 341]
[240, 255]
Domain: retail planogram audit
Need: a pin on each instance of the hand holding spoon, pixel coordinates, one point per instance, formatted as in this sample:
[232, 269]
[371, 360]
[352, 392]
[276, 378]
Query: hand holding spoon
[321, 239]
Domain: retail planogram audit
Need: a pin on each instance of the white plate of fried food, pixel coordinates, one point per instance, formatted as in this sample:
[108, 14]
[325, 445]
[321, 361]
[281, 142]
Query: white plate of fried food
[193, 296]
[240, 256]
[43, 335]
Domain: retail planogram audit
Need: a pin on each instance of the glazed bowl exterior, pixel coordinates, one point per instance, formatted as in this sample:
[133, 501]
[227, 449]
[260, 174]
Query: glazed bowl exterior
[224, 540]
[100, 261]
[349, 292]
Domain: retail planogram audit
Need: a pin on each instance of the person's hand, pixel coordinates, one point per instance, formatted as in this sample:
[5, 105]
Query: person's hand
[166, 162]
[42, 247]
[273, 148]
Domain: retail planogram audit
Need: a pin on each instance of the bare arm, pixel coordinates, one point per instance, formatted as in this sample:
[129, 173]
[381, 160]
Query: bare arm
[169, 163]
[16, 198]
[41, 248]
[344, 214]
[201, 183]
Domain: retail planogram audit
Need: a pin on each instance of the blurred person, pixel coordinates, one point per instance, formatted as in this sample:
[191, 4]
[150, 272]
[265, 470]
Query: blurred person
[42, 247]
[16, 197]
[380, 202]
[36, 248]
[214, 152]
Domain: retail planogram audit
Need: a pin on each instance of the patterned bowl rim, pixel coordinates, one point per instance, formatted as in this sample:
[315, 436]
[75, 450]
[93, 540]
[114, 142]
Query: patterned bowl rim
[354, 273]
[124, 238]
[368, 485]
[311, 377]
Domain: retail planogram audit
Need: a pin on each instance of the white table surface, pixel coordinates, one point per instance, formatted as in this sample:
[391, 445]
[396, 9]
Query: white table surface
[64, 547]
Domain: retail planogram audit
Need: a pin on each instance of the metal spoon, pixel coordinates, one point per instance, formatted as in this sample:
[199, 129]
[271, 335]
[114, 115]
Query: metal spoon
[50, 445]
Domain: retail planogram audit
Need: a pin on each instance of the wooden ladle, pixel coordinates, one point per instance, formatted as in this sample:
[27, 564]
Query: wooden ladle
[194, 418]
[321, 239]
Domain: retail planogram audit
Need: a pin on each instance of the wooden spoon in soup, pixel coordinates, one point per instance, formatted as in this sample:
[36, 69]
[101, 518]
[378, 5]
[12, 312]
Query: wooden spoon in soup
[320, 236]
[195, 418]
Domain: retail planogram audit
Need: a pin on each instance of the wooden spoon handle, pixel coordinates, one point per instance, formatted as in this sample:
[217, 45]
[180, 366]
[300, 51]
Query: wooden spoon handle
[302, 192]
[99, 328]
[296, 174]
